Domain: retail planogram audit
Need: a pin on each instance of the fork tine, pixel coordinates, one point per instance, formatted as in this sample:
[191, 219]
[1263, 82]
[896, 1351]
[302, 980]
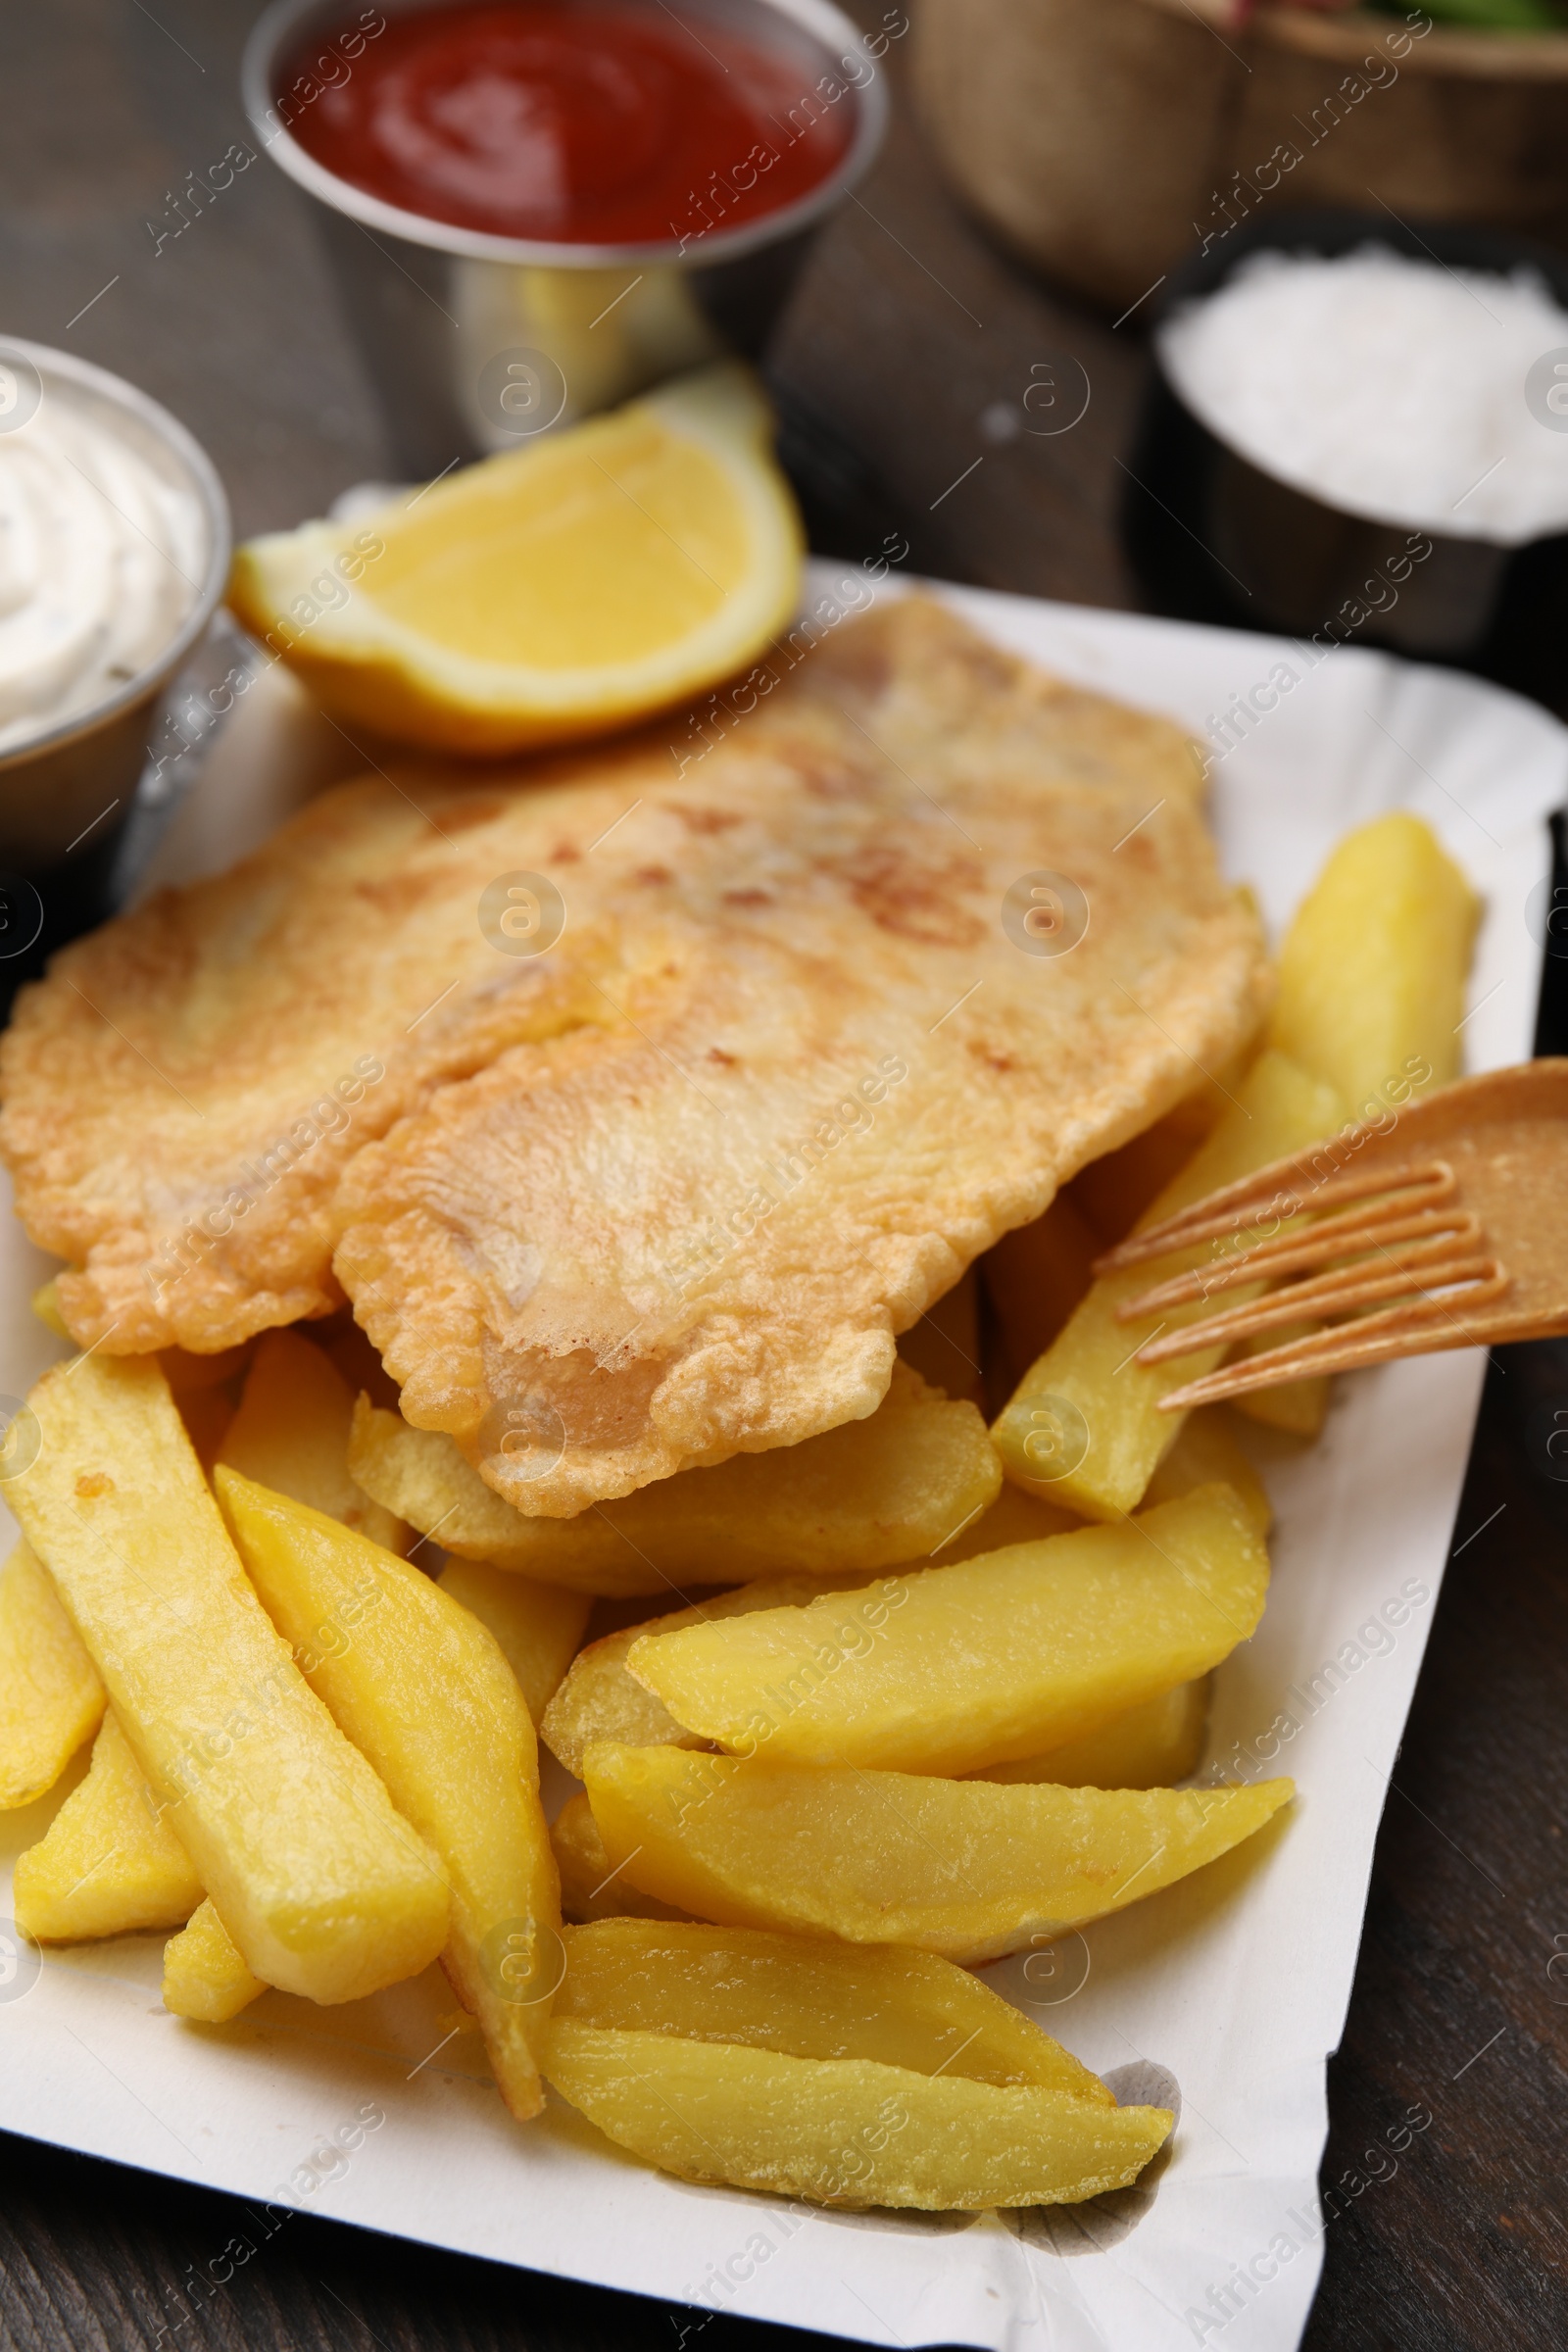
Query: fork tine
[1294, 1254]
[1225, 1211]
[1343, 1291]
[1398, 1331]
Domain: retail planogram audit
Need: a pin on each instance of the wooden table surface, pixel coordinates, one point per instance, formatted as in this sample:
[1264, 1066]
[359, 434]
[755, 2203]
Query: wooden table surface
[915, 342]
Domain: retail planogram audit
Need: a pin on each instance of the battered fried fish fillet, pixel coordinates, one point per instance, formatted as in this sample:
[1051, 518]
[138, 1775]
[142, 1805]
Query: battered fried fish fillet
[668, 1190]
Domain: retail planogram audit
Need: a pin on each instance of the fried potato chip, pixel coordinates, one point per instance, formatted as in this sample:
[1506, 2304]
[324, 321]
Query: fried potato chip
[971, 1869]
[333, 1898]
[591, 1888]
[424, 1691]
[810, 1999]
[1149, 1748]
[846, 2132]
[1372, 969]
[538, 1628]
[600, 1701]
[1084, 1428]
[1034, 1277]
[863, 1495]
[949, 1669]
[291, 1433]
[108, 1864]
[1372, 975]
[205, 1975]
[1207, 1449]
[51, 1699]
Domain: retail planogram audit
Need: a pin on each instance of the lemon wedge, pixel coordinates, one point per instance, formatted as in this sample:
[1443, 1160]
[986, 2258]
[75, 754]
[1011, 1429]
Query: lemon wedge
[575, 585]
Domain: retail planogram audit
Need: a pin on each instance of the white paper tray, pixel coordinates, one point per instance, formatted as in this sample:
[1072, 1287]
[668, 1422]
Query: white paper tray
[1235, 1981]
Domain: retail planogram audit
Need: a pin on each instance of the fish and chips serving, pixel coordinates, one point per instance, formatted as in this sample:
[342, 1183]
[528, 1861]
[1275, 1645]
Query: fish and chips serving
[501, 1224]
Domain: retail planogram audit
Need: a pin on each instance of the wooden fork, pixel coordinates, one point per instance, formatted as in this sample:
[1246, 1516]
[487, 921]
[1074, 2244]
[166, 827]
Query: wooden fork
[1445, 1228]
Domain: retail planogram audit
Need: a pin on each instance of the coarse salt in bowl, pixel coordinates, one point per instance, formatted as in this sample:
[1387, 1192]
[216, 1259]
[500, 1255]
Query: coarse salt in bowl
[1397, 389]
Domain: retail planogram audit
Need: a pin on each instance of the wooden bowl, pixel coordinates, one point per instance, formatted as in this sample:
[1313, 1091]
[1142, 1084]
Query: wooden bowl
[1105, 143]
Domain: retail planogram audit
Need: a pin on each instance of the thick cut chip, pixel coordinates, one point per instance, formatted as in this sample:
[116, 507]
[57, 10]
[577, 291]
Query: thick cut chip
[591, 1888]
[205, 1975]
[108, 1863]
[1112, 1193]
[51, 1697]
[862, 1496]
[1034, 1277]
[1013, 1518]
[810, 1999]
[291, 1434]
[846, 2132]
[1207, 1449]
[1149, 1748]
[1372, 970]
[1371, 989]
[1084, 1428]
[971, 1869]
[1205, 1452]
[601, 1701]
[1372, 977]
[944, 1346]
[538, 1628]
[953, 1668]
[326, 1891]
[425, 1691]
[797, 1051]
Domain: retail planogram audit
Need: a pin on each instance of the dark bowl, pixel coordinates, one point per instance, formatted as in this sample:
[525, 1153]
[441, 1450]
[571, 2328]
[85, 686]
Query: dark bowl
[1212, 538]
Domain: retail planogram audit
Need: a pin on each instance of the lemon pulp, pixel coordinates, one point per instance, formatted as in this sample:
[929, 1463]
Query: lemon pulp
[576, 558]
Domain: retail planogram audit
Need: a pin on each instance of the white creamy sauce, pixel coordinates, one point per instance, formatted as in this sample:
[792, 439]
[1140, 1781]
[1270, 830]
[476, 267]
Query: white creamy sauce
[100, 561]
[1392, 388]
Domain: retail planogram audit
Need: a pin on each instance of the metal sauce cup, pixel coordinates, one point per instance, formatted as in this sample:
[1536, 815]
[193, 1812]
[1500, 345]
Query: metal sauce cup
[67, 793]
[1213, 537]
[473, 341]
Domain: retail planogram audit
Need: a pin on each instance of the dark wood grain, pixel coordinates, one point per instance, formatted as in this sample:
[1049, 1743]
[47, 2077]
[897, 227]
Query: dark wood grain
[916, 343]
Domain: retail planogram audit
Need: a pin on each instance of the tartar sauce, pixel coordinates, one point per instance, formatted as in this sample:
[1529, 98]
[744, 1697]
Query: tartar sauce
[100, 561]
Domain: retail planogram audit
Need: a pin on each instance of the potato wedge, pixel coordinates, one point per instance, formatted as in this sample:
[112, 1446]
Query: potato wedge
[331, 1898]
[425, 1691]
[591, 1888]
[1084, 1428]
[108, 1863]
[862, 1496]
[1013, 1518]
[1150, 1746]
[944, 1346]
[1112, 1191]
[1372, 969]
[1371, 992]
[1034, 1277]
[846, 2132]
[600, 1701]
[51, 1697]
[1372, 977]
[291, 1433]
[1297, 1407]
[949, 1669]
[205, 1975]
[971, 1869]
[810, 1999]
[1207, 1449]
[538, 1628]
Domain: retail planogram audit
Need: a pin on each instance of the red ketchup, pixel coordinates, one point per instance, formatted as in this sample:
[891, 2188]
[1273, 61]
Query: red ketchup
[583, 123]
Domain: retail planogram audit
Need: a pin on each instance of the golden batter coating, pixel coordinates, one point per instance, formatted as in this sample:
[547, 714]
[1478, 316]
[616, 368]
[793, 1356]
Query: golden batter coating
[668, 1190]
